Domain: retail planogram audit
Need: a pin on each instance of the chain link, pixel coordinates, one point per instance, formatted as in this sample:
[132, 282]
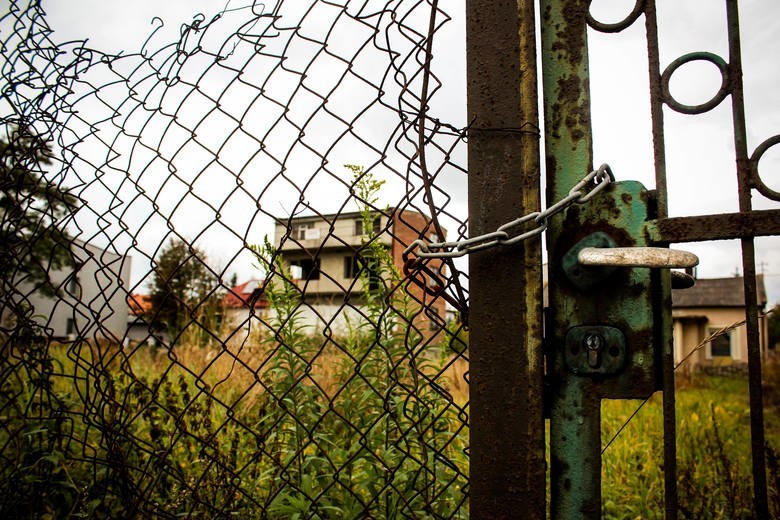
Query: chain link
[502, 236]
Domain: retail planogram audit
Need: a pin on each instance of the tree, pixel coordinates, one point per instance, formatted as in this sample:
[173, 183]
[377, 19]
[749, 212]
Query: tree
[183, 288]
[774, 326]
[32, 210]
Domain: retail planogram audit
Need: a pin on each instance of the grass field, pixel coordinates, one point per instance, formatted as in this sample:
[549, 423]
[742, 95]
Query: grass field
[201, 429]
[713, 451]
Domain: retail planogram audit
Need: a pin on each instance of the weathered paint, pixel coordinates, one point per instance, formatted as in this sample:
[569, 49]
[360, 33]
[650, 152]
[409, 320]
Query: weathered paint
[507, 470]
[626, 298]
[623, 298]
[723, 226]
[575, 439]
[745, 184]
[574, 401]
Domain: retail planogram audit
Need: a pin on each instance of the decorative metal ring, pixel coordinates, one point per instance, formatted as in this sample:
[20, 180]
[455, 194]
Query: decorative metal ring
[765, 190]
[629, 20]
[720, 95]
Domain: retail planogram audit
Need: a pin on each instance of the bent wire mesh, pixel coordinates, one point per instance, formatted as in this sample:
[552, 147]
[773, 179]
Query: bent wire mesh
[205, 307]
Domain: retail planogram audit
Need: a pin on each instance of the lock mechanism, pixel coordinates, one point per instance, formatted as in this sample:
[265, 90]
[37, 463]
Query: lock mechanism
[595, 350]
[611, 301]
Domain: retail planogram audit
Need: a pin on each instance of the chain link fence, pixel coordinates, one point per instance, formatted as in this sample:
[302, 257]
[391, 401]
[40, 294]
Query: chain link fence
[206, 308]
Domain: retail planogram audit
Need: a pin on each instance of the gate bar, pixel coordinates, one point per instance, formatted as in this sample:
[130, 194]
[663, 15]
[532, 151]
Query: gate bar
[760, 497]
[575, 438]
[663, 278]
[507, 472]
[725, 226]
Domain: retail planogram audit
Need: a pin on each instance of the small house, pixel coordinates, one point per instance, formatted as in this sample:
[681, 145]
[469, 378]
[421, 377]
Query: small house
[703, 316]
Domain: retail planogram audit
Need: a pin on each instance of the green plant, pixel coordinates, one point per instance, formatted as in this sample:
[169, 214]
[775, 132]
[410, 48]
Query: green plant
[34, 448]
[33, 208]
[383, 443]
[713, 453]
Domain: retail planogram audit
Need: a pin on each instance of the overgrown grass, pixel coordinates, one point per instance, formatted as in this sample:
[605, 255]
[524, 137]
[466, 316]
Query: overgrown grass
[312, 431]
[218, 430]
[713, 452]
[296, 425]
[292, 424]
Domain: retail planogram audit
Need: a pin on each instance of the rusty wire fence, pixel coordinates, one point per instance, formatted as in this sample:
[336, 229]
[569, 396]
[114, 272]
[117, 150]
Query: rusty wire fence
[206, 306]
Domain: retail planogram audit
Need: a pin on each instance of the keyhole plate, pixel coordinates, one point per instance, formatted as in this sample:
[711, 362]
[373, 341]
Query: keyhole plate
[611, 355]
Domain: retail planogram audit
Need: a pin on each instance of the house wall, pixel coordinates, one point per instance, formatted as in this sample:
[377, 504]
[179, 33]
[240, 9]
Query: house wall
[331, 240]
[331, 279]
[316, 316]
[93, 299]
[342, 234]
[692, 326]
[238, 323]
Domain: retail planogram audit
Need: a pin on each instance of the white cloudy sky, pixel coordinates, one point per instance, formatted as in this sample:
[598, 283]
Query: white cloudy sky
[700, 158]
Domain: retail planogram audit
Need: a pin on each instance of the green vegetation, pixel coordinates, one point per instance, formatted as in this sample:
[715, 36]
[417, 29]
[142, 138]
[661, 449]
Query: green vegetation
[773, 326]
[33, 239]
[184, 293]
[713, 451]
[315, 430]
[297, 424]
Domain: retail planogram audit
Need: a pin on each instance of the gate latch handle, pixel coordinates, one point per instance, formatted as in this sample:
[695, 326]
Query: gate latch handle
[591, 260]
[654, 257]
[658, 257]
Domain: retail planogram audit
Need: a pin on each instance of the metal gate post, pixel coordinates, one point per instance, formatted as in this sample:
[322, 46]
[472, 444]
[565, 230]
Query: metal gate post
[575, 439]
[505, 310]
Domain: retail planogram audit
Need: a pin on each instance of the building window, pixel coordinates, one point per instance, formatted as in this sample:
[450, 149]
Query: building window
[374, 279]
[376, 225]
[434, 319]
[73, 284]
[720, 346]
[351, 267]
[70, 327]
[309, 268]
[306, 231]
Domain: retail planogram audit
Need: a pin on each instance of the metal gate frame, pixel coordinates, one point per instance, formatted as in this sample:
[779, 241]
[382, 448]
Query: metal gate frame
[507, 429]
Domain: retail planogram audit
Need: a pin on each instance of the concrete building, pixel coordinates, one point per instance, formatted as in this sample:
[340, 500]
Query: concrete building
[323, 253]
[92, 296]
[709, 306]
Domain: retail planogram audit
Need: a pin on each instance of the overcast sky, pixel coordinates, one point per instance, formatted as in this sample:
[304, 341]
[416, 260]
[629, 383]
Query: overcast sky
[701, 171]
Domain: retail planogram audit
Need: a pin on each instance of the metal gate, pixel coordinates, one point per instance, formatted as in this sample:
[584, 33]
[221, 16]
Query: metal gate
[234, 279]
[611, 324]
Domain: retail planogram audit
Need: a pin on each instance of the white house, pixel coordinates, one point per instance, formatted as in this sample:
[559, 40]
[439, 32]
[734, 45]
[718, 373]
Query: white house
[92, 296]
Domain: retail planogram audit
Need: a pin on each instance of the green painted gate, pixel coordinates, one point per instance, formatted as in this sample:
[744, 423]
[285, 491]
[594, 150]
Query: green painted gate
[608, 327]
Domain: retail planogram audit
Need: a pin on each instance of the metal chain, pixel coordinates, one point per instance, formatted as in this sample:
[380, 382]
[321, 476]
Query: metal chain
[502, 236]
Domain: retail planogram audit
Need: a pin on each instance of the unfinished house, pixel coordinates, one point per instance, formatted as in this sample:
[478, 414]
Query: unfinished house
[91, 298]
[323, 253]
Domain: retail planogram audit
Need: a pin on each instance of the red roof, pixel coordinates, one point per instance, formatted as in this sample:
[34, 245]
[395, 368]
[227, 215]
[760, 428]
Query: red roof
[139, 304]
[241, 295]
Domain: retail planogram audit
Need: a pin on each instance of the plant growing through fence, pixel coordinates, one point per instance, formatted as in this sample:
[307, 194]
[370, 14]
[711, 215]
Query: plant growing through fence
[382, 442]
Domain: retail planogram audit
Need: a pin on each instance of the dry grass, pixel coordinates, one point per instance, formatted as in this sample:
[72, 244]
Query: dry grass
[456, 376]
[236, 373]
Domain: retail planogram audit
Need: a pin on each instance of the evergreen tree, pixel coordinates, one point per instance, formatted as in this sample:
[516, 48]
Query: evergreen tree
[774, 326]
[183, 287]
[32, 209]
